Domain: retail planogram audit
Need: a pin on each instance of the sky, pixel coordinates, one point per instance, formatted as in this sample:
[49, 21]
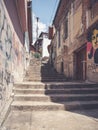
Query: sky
[45, 11]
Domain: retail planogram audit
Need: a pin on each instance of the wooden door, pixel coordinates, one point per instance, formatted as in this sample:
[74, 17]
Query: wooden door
[81, 64]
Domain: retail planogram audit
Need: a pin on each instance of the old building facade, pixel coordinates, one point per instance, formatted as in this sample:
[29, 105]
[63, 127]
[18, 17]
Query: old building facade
[14, 45]
[74, 42]
[41, 44]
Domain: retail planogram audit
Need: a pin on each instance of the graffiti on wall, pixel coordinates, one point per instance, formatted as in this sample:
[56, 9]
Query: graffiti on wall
[17, 54]
[92, 50]
[1, 77]
[8, 53]
[5, 53]
[93, 67]
[0, 93]
[1, 81]
[5, 37]
[11, 53]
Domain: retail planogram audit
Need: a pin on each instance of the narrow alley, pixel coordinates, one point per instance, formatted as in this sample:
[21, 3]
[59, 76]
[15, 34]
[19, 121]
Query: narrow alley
[49, 65]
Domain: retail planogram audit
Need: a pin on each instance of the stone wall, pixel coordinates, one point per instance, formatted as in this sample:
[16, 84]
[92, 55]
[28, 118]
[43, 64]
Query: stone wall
[11, 57]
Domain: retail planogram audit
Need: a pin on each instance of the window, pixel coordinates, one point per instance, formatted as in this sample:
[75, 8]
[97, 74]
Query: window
[66, 28]
[92, 2]
[94, 8]
[58, 38]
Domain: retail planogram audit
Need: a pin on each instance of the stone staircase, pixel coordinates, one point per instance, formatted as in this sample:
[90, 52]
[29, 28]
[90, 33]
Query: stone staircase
[42, 72]
[38, 92]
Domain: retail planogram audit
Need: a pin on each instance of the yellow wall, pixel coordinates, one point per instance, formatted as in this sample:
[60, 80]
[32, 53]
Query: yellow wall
[77, 20]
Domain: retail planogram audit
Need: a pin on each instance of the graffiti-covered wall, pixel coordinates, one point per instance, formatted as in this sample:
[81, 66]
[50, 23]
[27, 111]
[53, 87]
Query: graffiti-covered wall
[92, 54]
[11, 56]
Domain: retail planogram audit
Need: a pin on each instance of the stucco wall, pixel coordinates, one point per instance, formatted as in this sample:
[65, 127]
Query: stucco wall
[77, 21]
[11, 56]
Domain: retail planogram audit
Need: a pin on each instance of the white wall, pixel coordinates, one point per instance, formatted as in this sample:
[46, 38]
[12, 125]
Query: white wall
[46, 42]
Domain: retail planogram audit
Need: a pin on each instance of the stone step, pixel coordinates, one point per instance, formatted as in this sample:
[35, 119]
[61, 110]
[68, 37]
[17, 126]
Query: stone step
[32, 79]
[51, 106]
[45, 76]
[29, 85]
[44, 80]
[54, 85]
[34, 66]
[33, 71]
[39, 73]
[38, 78]
[56, 98]
[48, 74]
[56, 91]
[53, 79]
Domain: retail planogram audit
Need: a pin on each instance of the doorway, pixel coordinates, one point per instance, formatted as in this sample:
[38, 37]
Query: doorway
[81, 64]
[62, 67]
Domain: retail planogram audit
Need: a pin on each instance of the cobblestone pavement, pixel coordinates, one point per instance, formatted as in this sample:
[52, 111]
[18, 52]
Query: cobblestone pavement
[52, 120]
